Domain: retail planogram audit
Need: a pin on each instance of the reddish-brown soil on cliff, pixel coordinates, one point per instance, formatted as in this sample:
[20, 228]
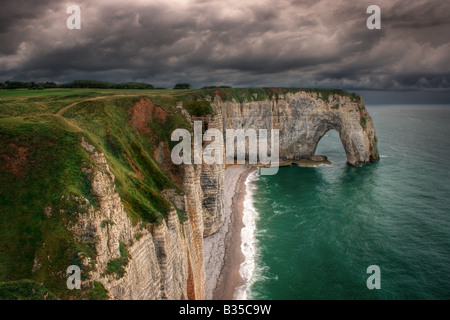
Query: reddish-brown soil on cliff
[144, 111]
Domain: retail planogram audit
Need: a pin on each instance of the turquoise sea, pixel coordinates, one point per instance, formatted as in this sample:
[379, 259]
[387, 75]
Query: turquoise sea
[313, 232]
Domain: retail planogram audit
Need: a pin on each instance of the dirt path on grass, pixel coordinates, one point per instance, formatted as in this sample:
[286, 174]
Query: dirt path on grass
[64, 109]
[61, 111]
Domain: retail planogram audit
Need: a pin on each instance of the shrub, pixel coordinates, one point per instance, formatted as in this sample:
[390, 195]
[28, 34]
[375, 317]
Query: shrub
[335, 107]
[363, 122]
[182, 86]
[118, 265]
[98, 292]
[106, 223]
[24, 290]
[198, 108]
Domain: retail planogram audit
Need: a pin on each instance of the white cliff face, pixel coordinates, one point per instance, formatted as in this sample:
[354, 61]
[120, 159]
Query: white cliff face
[212, 184]
[164, 263]
[303, 119]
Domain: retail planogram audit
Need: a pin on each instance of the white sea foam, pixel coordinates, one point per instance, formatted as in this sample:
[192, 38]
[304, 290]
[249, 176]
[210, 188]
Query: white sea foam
[248, 240]
[324, 165]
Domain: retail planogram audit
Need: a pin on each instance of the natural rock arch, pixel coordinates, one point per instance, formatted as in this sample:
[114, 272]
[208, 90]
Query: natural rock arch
[303, 118]
[357, 139]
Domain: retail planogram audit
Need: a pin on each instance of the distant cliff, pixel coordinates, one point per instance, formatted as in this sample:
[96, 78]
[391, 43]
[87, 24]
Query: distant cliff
[303, 118]
[89, 181]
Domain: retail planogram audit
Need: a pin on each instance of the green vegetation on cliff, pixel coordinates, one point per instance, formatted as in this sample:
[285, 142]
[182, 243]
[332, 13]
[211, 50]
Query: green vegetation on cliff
[116, 266]
[24, 290]
[259, 94]
[43, 177]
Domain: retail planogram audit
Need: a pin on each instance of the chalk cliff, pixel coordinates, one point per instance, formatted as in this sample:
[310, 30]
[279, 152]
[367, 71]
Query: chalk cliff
[165, 262]
[303, 118]
[133, 220]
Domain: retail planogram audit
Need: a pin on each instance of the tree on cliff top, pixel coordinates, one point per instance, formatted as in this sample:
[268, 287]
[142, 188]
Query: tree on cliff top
[182, 86]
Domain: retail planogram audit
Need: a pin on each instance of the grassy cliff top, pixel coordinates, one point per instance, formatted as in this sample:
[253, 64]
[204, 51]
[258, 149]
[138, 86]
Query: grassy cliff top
[44, 171]
[225, 93]
[260, 94]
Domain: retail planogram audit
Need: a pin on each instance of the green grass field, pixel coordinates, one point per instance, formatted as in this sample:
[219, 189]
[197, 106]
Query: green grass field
[24, 93]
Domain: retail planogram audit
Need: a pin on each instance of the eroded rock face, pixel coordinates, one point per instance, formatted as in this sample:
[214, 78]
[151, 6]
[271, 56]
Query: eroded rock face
[303, 119]
[212, 183]
[164, 263]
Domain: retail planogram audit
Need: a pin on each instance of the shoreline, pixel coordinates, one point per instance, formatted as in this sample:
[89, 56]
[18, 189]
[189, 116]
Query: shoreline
[223, 254]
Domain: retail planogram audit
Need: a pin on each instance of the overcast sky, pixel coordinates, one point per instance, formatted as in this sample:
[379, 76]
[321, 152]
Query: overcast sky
[300, 43]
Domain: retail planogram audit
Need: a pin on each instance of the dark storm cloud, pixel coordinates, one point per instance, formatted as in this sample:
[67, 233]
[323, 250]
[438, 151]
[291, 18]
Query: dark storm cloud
[242, 43]
[15, 12]
[15, 17]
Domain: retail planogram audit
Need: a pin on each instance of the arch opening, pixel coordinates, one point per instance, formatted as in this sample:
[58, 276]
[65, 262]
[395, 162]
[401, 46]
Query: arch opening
[331, 146]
